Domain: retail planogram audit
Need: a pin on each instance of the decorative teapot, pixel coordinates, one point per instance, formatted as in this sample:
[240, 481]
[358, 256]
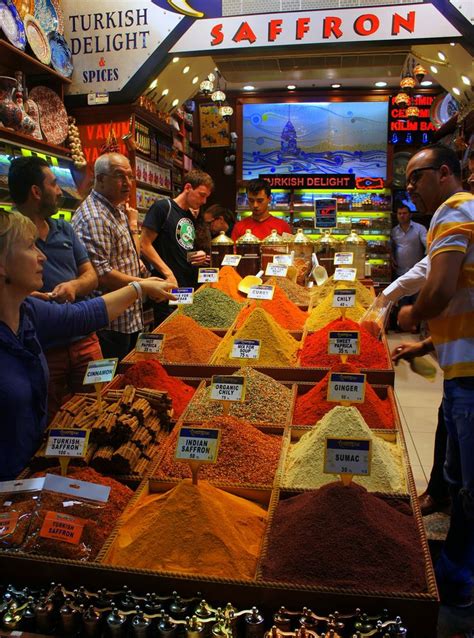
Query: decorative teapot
[12, 113]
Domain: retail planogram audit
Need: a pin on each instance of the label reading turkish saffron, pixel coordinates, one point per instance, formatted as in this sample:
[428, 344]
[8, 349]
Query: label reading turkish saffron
[208, 275]
[346, 387]
[344, 342]
[283, 260]
[261, 292]
[345, 274]
[8, 522]
[275, 270]
[61, 527]
[245, 349]
[344, 298]
[101, 371]
[198, 444]
[227, 388]
[67, 442]
[151, 343]
[231, 260]
[347, 456]
[343, 259]
[184, 296]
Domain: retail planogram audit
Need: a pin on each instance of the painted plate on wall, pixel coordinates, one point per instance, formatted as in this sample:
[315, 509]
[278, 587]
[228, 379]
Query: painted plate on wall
[24, 7]
[37, 39]
[61, 56]
[11, 24]
[60, 16]
[443, 108]
[53, 116]
[46, 15]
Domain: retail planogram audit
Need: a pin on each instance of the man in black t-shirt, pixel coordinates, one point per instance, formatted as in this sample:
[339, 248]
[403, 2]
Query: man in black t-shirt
[168, 231]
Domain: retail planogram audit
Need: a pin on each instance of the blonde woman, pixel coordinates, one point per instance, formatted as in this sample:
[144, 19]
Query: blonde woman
[27, 325]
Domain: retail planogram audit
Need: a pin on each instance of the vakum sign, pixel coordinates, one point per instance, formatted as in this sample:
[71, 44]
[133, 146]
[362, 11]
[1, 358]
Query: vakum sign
[110, 41]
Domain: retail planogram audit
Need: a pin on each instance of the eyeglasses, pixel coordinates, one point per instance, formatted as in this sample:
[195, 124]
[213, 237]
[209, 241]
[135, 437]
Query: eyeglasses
[415, 175]
[123, 177]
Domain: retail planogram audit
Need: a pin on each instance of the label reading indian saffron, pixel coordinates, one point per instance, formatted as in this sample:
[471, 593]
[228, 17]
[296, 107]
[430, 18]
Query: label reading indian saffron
[231, 260]
[276, 270]
[347, 456]
[67, 442]
[198, 444]
[184, 296]
[100, 371]
[343, 259]
[345, 274]
[261, 292]
[150, 343]
[245, 349]
[208, 275]
[227, 388]
[8, 522]
[61, 527]
[346, 387]
[344, 298]
[340, 342]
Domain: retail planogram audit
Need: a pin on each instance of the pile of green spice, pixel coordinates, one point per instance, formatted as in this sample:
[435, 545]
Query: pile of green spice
[212, 308]
[266, 401]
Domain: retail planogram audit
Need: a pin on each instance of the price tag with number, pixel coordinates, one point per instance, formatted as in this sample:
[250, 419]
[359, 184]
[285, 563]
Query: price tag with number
[198, 444]
[184, 296]
[347, 456]
[231, 260]
[346, 388]
[208, 275]
[343, 259]
[245, 349]
[261, 292]
[151, 343]
[67, 442]
[345, 274]
[344, 298]
[275, 270]
[344, 342]
[100, 371]
[283, 260]
[228, 388]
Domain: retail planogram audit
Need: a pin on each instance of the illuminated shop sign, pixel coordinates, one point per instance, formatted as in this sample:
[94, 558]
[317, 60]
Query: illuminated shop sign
[416, 131]
[322, 181]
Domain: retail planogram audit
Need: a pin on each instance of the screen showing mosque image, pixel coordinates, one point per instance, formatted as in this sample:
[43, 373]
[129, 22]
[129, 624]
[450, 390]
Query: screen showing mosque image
[315, 137]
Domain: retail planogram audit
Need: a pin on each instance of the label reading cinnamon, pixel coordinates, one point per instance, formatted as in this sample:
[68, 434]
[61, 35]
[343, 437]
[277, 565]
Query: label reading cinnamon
[61, 527]
[8, 522]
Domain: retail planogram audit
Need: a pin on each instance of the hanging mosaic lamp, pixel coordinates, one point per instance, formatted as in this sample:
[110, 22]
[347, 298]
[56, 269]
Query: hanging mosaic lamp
[402, 100]
[413, 112]
[419, 71]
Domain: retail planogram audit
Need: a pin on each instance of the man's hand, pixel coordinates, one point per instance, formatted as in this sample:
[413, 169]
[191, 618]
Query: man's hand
[408, 351]
[44, 296]
[405, 319]
[64, 293]
[132, 216]
[200, 259]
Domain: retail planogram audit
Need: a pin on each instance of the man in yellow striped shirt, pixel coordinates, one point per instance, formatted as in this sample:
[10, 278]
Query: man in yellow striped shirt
[447, 302]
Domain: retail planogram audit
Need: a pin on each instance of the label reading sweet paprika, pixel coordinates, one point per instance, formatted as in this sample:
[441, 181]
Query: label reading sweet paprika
[8, 522]
[62, 527]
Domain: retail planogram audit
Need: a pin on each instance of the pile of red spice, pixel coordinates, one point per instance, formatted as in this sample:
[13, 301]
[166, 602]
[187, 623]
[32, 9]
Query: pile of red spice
[345, 537]
[246, 455]
[312, 406]
[284, 312]
[314, 352]
[151, 374]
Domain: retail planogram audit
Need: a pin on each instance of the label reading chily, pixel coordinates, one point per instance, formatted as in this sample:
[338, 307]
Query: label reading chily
[228, 388]
[347, 456]
[68, 442]
[344, 298]
[245, 349]
[151, 343]
[101, 371]
[346, 387]
[343, 342]
[197, 444]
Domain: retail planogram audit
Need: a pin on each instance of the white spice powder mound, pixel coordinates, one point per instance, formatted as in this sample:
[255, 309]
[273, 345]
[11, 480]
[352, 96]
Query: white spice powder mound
[305, 459]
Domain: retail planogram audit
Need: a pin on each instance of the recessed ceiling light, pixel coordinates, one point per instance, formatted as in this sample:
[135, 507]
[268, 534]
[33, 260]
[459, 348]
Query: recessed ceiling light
[165, 92]
[335, 86]
[466, 80]
[291, 87]
[186, 69]
[452, 44]
[456, 91]
[174, 60]
[175, 102]
[248, 87]
[442, 56]
[153, 84]
[426, 83]
[434, 69]
[381, 84]
[195, 79]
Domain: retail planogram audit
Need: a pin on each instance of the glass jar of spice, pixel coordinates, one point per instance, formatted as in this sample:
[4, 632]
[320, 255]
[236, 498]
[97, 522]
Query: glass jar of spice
[272, 245]
[325, 248]
[249, 247]
[356, 245]
[221, 246]
[302, 248]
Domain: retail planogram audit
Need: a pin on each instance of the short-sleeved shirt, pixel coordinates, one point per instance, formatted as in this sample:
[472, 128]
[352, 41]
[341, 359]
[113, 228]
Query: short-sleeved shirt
[452, 229]
[260, 229]
[64, 252]
[176, 235]
[408, 247]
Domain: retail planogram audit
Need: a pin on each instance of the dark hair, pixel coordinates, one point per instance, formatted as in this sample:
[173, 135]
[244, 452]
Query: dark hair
[256, 185]
[402, 205]
[216, 210]
[25, 172]
[443, 155]
[198, 178]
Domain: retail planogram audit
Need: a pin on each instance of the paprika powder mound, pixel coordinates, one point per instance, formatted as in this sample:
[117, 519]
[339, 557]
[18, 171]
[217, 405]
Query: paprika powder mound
[314, 352]
[191, 529]
[344, 537]
[284, 312]
[229, 280]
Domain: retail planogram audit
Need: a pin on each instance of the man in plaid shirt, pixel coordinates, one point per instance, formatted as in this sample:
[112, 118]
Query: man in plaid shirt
[108, 228]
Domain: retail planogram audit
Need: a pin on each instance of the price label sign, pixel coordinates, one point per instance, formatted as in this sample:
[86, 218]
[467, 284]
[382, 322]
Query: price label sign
[261, 292]
[150, 343]
[347, 456]
[245, 349]
[346, 388]
[227, 388]
[208, 275]
[184, 296]
[231, 260]
[283, 260]
[100, 371]
[343, 259]
[275, 270]
[197, 444]
[345, 274]
[68, 442]
[344, 298]
[344, 342]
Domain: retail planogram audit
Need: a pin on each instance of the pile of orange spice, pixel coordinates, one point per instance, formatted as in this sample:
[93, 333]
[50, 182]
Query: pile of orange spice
[229, 280]
[284, 312]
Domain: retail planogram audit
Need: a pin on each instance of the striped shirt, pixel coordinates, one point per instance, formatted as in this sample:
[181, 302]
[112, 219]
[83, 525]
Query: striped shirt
[452, 229]
[104, 231]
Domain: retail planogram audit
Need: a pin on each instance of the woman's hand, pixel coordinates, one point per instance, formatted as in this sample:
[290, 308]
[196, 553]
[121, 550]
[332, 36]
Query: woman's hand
[157, 289]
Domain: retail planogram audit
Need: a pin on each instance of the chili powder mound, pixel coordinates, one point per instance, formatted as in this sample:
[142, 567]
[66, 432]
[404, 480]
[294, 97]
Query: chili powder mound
[312, 406]
[192, 529]
[246, 455]
[314, 352]
[284, 312]
[229, 280]
[151, 374]
[344, 537]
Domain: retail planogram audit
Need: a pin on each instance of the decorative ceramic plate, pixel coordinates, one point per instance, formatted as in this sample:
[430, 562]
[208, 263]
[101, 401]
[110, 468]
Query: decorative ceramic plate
[400, 161]
[24, 7]
[53, 116]
[37, 39]
[47, 16]
[60, 16]
[33, 112]
[11, 24]
[61, 56]
[443, 109]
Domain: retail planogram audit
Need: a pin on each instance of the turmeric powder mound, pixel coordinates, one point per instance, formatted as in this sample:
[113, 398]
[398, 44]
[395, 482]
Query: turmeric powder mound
[277, 347]
[285, 312]
[364, 296]
[192, 529]
[229, 280]
[187, 341]
[324, 313]
[295, 293]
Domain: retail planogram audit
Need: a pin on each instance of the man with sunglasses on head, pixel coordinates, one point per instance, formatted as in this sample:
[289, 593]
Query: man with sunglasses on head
[446, 301]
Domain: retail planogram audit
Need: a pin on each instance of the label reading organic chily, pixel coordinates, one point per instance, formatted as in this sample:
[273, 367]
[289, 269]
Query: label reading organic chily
[227, 388]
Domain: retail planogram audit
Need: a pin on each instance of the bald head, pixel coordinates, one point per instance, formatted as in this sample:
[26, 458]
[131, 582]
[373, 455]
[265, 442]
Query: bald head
[113, 177]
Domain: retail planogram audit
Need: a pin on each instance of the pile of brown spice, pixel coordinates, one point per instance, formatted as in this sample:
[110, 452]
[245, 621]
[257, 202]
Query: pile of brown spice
[295, 293]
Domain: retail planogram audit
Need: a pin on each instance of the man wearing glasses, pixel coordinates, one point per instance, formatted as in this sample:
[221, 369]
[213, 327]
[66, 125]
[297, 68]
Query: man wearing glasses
[108, 227]
[446, 300]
